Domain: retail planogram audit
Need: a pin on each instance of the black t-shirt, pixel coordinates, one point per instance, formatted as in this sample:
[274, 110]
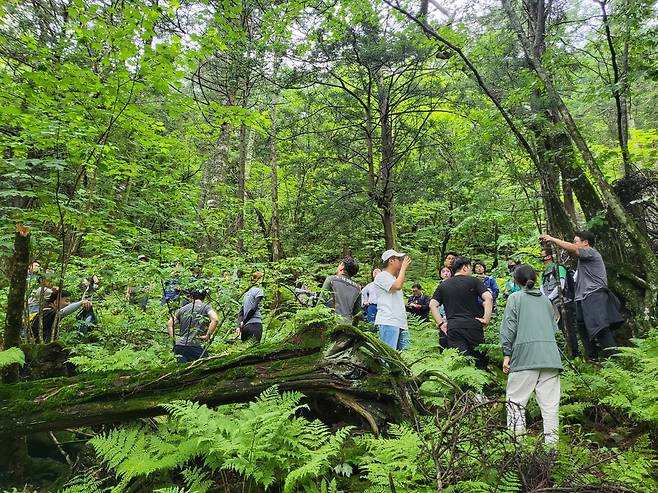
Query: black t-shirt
[459, 296]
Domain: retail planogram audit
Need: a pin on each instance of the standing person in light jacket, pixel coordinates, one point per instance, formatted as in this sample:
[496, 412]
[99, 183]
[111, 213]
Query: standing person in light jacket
[531, 356]
[250, 320]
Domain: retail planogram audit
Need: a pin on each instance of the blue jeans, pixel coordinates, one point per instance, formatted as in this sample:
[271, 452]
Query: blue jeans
[394, 336]
[371, 312]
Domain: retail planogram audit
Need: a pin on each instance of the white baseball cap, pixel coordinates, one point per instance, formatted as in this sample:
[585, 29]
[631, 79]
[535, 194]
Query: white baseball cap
[392, 253]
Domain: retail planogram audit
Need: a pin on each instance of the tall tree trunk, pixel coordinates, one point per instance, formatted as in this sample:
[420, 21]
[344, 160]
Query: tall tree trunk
[549, 149]
[638, 240]
[385, 184]
[214, 168]
[16, 297]
[275, 228]
[619, 89]
[567, 192]
[13, 455]
[241, 182]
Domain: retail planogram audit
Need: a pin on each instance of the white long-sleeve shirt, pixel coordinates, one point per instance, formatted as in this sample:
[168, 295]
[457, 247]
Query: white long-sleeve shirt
[369, 294]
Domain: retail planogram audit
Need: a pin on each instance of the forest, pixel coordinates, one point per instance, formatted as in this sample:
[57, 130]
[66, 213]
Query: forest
[158, 152]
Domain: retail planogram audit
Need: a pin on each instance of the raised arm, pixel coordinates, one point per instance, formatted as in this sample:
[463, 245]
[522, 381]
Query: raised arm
[399, 282]
[564, 245]
[74, 306]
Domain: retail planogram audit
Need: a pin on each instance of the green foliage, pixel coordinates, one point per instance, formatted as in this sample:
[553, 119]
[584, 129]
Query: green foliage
[398, 459]
[630, 381]
[12, 356]
[264, 441]
[443, 371]
[98, 359]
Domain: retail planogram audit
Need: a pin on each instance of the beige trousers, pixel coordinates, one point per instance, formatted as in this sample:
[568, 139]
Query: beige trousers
[545, 383]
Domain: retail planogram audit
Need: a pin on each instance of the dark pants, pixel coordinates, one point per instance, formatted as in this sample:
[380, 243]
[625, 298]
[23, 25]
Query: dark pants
[569, 327]
[603, 342]
[466, 341]
[443, 340]
[185, 354]
[252, 331]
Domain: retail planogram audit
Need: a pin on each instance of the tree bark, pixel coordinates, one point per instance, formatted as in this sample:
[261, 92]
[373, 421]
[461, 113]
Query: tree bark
[385, 195]
[14, 456]
[275, 227]
[16, 297]
[639, 241]
[619, 89]
[241, 179]
[326, 364]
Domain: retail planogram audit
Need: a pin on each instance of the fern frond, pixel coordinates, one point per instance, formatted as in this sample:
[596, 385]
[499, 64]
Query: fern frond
[12, 356]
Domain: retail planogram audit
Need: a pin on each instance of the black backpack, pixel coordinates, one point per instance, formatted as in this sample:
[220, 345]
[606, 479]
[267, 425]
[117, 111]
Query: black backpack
[569, 291]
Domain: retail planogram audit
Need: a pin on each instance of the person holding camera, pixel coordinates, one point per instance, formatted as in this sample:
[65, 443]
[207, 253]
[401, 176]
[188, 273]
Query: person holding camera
[391, 318]
[598, 310]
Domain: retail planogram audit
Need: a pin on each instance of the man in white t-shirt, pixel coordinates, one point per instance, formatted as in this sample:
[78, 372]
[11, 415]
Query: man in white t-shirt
[391, 318]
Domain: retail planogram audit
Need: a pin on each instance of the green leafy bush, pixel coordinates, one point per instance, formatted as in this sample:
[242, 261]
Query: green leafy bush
[12, 356]
[265, 441]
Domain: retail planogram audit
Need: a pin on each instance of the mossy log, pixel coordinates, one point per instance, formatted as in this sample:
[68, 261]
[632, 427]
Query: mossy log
[337, 368]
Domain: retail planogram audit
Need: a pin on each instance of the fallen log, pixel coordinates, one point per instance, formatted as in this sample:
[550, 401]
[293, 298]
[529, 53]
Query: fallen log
[337, 368]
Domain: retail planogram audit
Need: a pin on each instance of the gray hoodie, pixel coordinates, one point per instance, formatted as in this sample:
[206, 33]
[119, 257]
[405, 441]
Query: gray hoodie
[527, 333]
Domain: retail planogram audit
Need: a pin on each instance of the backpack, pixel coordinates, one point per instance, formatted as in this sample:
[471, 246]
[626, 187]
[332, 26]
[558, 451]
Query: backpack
[569, 291]
[88, 320]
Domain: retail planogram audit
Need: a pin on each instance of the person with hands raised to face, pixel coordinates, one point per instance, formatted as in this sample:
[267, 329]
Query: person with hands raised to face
[391, 318]
[531, 356]
[465, 319]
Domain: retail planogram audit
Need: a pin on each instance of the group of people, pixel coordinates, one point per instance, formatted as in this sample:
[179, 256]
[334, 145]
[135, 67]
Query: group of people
[191, 326]
[462, 307]
[47, 304]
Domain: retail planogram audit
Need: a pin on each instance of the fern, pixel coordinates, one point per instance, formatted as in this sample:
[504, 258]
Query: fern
[82, 484]
[12, 356]
[266, 441]
[635, 467]
[399, 456]
[96, 359]
[134, 451]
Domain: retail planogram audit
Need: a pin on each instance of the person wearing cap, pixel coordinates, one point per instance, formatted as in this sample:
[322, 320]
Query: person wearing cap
[369, 298]
[341, 293]
[250, 319]
[465, 319]
[391, 318]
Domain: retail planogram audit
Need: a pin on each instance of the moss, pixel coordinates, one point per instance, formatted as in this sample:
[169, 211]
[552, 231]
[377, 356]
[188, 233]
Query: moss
[240, 372]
